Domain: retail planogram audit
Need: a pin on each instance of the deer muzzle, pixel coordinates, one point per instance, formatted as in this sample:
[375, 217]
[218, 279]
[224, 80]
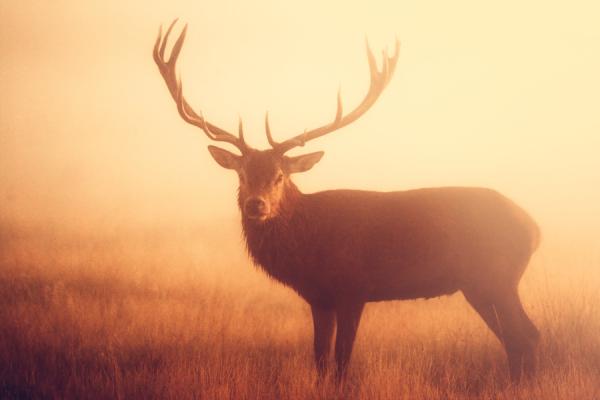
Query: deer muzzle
[256, 208]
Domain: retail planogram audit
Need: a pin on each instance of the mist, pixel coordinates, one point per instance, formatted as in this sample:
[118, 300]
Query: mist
[503, 96]
[123, 271]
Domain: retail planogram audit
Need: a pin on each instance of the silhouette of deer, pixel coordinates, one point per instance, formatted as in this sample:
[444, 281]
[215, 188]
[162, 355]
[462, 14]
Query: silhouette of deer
[339, 249]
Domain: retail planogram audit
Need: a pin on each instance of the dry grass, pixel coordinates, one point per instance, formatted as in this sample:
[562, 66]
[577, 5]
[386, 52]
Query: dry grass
[148, 315]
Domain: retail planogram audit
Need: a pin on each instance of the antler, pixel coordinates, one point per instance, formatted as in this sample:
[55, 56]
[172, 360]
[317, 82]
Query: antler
[167, 70]
[379, 80]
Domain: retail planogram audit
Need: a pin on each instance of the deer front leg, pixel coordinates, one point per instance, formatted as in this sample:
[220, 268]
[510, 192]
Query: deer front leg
[348, 319]
[324, 324]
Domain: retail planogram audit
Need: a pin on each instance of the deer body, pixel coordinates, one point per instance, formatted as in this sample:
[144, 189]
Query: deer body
[345, 245]
[340, 249]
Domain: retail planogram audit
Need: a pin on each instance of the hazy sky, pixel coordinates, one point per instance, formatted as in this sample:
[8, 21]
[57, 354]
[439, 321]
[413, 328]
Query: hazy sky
[499, 94]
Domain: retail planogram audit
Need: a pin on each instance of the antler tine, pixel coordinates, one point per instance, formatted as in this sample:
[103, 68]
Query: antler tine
[241, 130]
[163, 45]
[390, 63]
[372, 62]
[379, 81]
[167, 71]
[272, 142]
[298, 141]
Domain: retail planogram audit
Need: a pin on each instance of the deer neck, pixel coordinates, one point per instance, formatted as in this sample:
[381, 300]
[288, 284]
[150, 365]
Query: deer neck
[263, 239]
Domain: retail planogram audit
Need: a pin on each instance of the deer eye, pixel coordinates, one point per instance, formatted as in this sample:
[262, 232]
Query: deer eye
[279, 179]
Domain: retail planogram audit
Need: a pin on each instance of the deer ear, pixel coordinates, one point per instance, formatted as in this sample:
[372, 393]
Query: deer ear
[303, 163]
[224, 158]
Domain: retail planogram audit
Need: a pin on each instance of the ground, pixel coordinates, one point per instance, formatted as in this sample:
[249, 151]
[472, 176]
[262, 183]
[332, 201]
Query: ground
[161, 312]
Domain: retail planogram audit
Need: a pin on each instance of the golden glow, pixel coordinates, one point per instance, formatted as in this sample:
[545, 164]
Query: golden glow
[122, 271]
[504, 95]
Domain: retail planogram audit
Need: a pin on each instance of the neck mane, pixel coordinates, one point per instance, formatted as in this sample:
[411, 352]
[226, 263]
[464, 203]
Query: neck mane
[265, 239]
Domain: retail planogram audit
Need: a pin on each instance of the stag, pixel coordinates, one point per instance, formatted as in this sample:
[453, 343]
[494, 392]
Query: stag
[339, 249]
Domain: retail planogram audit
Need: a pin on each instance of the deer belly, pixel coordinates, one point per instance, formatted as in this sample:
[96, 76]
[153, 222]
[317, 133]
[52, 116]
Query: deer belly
[411, 290]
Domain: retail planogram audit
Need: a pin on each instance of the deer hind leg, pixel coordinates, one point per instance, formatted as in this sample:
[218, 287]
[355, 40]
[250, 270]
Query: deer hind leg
[324, 325]
[348, 319]
[503, 313]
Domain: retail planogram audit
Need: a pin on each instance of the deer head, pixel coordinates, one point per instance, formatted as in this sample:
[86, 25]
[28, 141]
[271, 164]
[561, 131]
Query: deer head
[264, 175]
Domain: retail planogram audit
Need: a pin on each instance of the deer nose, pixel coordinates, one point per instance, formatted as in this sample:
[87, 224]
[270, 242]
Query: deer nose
[255, 207]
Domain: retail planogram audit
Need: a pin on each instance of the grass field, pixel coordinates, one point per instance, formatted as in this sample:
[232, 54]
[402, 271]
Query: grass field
[168, 313]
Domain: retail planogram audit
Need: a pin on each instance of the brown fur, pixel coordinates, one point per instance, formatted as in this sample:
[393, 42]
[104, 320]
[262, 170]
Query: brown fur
[339, 249]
